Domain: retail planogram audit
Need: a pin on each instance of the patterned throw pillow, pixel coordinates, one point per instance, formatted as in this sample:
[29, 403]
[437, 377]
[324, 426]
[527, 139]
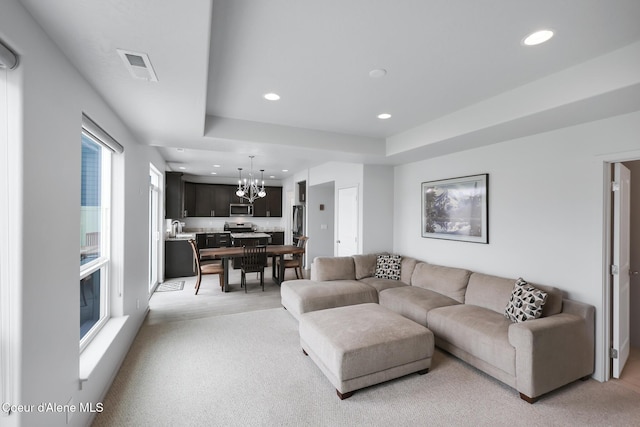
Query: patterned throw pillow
[526, 302]
[388, 267]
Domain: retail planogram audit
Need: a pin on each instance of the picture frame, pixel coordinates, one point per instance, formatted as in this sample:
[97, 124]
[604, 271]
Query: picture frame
[456, 209]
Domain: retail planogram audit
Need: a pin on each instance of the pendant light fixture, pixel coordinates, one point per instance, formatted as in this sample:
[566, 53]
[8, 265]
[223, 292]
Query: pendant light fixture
[249, 189]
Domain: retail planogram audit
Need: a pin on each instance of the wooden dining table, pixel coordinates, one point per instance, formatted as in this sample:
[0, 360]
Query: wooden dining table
[274, 251]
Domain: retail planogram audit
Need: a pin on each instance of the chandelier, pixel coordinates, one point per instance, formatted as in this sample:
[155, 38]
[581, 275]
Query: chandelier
[248, 189]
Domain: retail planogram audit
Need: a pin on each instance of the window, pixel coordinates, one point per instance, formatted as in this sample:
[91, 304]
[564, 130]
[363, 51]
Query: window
[5, 303]
[95, 225]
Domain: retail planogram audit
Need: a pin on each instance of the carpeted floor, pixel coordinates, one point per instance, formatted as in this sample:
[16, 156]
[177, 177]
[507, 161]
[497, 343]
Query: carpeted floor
[247, 369]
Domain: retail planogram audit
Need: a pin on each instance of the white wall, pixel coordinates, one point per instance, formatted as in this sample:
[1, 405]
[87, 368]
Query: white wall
[546, 209]
[45, 141]
[321, 229]
[377, 208]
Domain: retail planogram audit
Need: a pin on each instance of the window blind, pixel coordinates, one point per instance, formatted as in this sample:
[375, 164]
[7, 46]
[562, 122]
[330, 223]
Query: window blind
[100, 135]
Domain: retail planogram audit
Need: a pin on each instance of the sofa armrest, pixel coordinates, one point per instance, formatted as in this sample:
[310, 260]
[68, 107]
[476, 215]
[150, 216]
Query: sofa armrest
[551, 352]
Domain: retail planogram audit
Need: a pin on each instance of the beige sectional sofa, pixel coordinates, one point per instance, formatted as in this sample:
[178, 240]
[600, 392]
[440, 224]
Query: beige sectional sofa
[465, 312]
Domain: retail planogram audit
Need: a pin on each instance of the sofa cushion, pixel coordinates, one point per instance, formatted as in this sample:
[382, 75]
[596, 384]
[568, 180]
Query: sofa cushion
[476, 330]
[448, 281]
[407, 266]
[388, 267]
[382, 284]
[526, 302]
[303, 296]
[365, 265]
[494, 292]
[413, 302]
[333, 268]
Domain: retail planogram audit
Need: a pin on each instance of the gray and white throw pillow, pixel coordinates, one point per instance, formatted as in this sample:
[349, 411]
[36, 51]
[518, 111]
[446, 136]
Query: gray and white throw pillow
[526, 302]
[388, 267]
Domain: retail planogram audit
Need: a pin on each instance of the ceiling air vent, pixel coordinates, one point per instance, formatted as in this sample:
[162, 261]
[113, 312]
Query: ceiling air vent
[138, 65]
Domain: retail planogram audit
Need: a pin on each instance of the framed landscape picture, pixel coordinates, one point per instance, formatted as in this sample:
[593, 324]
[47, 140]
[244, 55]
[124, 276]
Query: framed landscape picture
[456, 209]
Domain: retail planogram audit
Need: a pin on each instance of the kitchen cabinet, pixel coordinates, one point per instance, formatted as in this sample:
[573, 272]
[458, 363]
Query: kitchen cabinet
[302, 191]
[270, 205]
[173, 195]
[213, 240]
[178, 259]
[189, 199]
[212, 200]
[277, 237]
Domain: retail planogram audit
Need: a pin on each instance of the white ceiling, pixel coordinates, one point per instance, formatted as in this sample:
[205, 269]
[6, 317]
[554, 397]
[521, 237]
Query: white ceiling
[215, 60]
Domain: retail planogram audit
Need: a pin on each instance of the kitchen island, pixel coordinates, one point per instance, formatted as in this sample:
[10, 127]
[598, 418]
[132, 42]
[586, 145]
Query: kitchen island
[241, 239]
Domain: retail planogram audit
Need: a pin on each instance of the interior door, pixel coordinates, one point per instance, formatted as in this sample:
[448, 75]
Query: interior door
[347, 226]
[154, 226]
[620, 269]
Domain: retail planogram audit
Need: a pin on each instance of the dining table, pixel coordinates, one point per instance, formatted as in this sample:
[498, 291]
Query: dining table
[274, 251]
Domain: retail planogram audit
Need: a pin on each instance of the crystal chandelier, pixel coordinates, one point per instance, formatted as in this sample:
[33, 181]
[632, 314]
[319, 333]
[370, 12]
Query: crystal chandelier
[248, 189]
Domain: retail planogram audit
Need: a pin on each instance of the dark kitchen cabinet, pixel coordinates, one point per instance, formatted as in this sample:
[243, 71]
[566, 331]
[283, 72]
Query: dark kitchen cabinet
[173, 195]
[302, 191]
[189, 199]
[212, 200]
[277, 237]
[270, 205]
[213, 240]
[178, 259]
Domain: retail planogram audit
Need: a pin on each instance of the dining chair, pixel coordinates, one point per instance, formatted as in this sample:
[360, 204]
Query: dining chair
[296, 261]
[254, 260]
[206, 266]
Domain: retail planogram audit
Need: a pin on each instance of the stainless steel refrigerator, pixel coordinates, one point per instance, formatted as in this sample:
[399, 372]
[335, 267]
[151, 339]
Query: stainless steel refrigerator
[298, 222]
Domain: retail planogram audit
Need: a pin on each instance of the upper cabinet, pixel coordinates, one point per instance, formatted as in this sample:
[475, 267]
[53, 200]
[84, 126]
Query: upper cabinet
[270, 205]
[191, 199]
[173, 192]
[302, 191]
[212, 200]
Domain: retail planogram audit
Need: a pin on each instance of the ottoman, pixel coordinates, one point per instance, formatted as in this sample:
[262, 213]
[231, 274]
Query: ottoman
[361, 345]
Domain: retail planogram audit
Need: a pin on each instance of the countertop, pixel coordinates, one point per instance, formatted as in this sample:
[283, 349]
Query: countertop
[249, 235]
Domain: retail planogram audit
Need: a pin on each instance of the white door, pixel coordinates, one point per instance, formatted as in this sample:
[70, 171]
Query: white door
[347, 226]
[154, 226]
[620, 269]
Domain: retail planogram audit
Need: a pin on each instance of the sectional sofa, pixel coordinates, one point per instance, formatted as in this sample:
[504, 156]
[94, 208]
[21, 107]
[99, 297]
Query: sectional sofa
[465, 310]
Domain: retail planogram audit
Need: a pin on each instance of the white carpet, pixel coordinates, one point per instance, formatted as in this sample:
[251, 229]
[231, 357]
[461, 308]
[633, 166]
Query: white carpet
[247, 369]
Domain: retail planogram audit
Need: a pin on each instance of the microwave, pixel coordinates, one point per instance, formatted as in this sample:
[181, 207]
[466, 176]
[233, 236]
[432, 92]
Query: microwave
[238, 209]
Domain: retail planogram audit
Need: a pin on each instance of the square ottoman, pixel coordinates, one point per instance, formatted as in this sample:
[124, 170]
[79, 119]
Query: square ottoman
[361, 345]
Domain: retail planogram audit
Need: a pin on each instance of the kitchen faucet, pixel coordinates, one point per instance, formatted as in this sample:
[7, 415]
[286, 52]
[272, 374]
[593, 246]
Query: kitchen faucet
[178, 228]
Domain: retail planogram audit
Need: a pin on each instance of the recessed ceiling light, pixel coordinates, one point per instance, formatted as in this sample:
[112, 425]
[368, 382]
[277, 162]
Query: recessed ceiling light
[384, 116]
[182, 168]
[377, 73]
[285, 170]
[214, 173]
[272, 177]
[216, 166]
[537, 38]
[271, 96]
